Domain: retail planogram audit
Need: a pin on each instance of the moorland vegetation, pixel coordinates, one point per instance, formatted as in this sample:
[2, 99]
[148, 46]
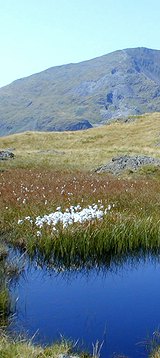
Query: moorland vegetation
[55, 207]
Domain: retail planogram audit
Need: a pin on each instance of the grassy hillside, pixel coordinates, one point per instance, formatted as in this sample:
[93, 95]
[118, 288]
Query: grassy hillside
[116, 85]
[84, 149]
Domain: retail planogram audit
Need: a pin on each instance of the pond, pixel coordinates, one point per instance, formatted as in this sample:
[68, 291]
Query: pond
[119, 307]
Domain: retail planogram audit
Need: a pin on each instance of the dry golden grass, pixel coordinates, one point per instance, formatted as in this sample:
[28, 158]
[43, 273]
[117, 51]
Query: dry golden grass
[156, 354]
[85, 150]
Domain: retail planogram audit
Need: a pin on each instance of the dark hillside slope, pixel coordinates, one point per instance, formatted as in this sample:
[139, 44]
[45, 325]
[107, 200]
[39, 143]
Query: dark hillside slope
[76, 96]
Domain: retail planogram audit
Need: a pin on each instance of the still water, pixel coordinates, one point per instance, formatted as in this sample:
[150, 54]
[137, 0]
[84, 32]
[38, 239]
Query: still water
[120, 307]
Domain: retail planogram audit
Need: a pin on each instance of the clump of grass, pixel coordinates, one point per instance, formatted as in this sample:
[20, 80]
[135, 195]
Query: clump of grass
[10, 348]
[8, 271]
[4, 305]
[156, 353]
[4, 293]
[154, 345]
[5, 302]
[3, 252]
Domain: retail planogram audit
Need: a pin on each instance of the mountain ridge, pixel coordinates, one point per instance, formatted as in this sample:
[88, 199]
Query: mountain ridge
[80, 95]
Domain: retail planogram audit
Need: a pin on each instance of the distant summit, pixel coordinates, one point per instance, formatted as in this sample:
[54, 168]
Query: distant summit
[78, 96]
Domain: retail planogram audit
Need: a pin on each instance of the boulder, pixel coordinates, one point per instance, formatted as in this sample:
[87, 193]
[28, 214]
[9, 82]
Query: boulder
[6, 154]
[126, 162]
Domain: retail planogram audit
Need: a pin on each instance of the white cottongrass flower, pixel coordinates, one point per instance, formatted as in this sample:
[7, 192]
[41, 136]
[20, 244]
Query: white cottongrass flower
[20, 221]
[73, 214]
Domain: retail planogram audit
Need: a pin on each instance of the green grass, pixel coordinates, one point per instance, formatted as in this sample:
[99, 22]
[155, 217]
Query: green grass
[8, 271]
[5, 302]
[4, 305]
[3, 252]
[21, 348]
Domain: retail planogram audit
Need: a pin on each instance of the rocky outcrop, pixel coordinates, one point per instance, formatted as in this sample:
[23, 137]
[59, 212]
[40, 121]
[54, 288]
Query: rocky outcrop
[73, 126]
[65, 126]
[126, 162]
[83, 124]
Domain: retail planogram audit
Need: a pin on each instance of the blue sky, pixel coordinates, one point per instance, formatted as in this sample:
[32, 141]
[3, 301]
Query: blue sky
[38, 34]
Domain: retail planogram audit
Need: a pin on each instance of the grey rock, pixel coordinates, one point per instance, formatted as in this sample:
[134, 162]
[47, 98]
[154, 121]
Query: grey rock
[83, 124]
[126, 162]
[6, 154]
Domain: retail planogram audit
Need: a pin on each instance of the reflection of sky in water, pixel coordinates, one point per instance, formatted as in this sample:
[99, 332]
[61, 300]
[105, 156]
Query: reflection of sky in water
[122, 308]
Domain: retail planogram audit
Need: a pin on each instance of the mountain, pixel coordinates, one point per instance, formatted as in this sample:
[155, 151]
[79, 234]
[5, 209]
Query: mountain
[77, 96]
